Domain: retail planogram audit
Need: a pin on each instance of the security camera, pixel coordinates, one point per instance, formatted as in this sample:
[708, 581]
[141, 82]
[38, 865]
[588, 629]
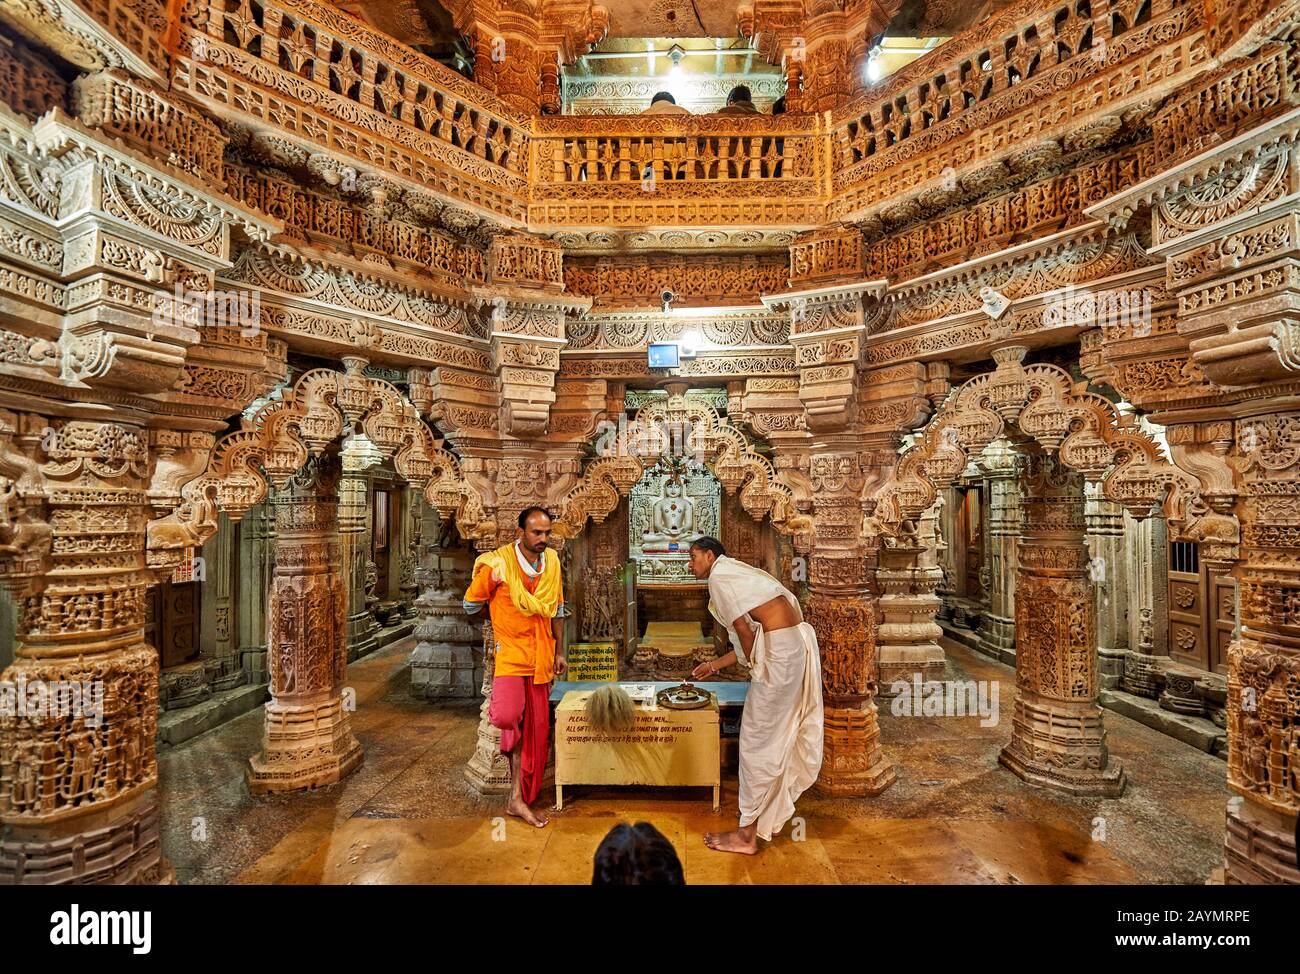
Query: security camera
[667, 297]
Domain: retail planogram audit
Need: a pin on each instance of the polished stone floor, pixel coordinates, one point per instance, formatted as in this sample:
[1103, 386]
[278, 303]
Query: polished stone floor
[953, 816]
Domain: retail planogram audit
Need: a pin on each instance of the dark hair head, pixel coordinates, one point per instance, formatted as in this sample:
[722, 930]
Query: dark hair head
[636, 855]
[664, 96]
[778, 106]
[709, 544]
[528, 512]
[740, 93]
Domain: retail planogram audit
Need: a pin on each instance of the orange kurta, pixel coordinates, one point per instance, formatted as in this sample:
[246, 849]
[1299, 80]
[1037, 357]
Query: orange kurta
[525, 645]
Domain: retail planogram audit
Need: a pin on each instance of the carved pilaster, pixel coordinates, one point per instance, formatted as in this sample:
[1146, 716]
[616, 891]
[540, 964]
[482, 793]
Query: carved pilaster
[827, 329]
[358, 456]
[1057, 737]
[1264, 664]
[1109, 571]
[997, 629]
[78, 795]
[307, 739]
[256, 573]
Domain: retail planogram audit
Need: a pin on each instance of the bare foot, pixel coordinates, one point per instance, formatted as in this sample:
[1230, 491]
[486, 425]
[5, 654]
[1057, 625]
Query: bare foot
[520, 810]
[731, 842]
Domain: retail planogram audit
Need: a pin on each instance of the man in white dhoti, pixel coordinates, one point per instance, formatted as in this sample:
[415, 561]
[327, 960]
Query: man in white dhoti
[781, 730]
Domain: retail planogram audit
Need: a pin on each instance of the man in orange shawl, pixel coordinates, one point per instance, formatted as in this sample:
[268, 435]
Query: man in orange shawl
[520, 584]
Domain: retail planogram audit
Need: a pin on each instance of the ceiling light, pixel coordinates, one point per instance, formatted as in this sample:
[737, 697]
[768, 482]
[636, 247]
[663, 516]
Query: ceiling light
[874, 69]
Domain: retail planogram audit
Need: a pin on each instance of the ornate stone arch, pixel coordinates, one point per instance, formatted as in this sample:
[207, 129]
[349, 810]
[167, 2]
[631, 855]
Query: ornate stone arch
[1085, 432]
[282, 434]
[695, 427]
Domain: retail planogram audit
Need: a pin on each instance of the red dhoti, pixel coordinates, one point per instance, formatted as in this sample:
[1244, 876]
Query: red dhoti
[520, 710]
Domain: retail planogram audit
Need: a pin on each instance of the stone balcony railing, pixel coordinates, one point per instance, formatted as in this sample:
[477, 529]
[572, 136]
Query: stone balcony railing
[647, 169]
[1024, 89]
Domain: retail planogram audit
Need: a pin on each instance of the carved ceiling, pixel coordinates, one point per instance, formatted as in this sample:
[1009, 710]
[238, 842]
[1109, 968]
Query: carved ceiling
[672, 18]
[422, 24]
[925, 18]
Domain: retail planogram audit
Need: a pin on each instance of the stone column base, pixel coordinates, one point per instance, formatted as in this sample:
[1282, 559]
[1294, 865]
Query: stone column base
[1110, 666]
[303, 747]
[361, 636]
[927, 660]
[119, 846]
[1062, 747]
[488, 770]
[997, 638]
[1259, 846]
[852, 763]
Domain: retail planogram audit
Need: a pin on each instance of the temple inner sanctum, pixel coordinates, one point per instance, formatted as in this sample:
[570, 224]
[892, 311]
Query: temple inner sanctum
[976, 326]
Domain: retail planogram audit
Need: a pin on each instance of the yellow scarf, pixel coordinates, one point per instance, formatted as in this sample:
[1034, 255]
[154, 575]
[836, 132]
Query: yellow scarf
[545, 599]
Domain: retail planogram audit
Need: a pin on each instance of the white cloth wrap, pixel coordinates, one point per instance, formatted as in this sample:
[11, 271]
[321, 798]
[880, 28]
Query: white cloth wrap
[782, 728]
[734, 589]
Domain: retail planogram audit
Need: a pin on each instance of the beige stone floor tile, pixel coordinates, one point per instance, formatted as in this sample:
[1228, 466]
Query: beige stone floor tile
[904, 851]
[1033, 853]
[364, 851]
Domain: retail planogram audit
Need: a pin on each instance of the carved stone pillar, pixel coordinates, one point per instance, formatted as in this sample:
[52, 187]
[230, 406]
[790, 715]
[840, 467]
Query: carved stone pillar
[1109, 572]
[488, 770]
[256, 573]
[842, 608]
[1264, 664]
[78, 797]
[218, 588]
[359, 455]
[408, 556]
[1147, 554]
[307, 740]
[1057, 736]
[908, 576]
[443, 664]
[998, 625]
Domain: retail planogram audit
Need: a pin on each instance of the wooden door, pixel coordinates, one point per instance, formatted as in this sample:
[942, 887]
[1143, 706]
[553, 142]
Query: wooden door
[174, 622]
[970, 531]
[1188, 639]
[380, 527]
[1223, 618]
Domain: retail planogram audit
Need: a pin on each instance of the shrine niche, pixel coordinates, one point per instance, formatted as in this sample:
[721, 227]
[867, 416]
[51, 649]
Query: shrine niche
[657, 483]
[673, 504]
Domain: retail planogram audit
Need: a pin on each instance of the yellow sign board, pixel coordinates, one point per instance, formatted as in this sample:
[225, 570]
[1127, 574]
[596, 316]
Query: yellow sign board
[596, 662]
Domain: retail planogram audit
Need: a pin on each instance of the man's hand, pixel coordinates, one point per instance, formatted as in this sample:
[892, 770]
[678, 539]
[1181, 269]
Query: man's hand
[707, 668]
[561, 665]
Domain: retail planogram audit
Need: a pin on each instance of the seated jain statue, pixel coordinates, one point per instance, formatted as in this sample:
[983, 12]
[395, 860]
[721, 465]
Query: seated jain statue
[672, 519]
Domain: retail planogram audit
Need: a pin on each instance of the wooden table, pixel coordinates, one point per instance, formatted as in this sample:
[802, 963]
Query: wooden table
[667, 748]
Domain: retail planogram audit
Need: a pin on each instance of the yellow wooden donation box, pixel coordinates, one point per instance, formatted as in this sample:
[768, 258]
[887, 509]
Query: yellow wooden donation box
[665, 747]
